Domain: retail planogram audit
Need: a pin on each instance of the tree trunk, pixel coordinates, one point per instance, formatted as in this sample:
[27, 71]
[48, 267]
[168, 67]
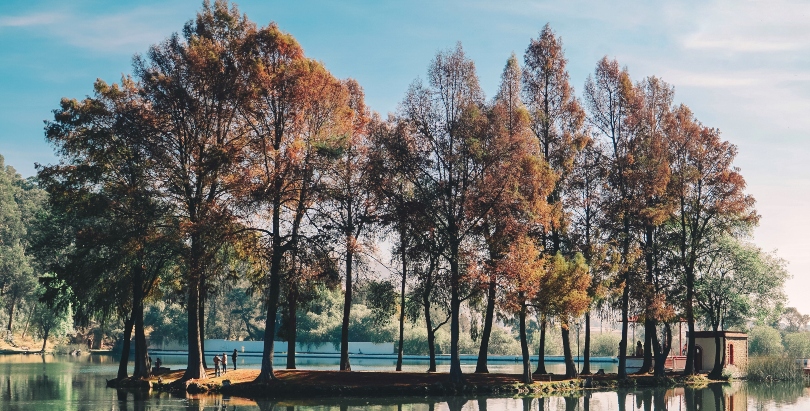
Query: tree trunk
[481, 367]
[570, 367]
[402, 303]
[690, 321]
[124, 362]
[541, 350]
[292, 327]
[524, 347]
[11, 312]
[719, 357]
[625, 321]
[649, 336]
[661, 352]
[195, 368]
[586, 354]
[45, 340]
[267, 374]
[141, 361]
[347, 309]
[431, 336]
[649, 323]
[27, 323]
[201, 316]
[455, 306]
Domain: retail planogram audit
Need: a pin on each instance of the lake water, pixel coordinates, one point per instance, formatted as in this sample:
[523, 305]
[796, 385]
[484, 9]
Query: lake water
[33, 382]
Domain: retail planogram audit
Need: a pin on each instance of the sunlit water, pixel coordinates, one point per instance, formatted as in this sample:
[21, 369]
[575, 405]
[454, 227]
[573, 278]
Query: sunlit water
[32, 382]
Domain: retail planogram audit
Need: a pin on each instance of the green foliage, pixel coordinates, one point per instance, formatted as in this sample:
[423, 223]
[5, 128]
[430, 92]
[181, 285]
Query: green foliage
[797, 345]
[381, 298]
[794, 320]
[764, 340]
[52, 320]
[168, 322]
[605, 345]
[503, 342]
[20, 202]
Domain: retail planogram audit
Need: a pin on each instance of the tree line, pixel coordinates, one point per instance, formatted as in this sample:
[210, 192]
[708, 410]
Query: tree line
[230, 154]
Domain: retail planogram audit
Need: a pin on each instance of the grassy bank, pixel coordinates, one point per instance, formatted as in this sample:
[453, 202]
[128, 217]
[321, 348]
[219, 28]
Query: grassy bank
[294, 384]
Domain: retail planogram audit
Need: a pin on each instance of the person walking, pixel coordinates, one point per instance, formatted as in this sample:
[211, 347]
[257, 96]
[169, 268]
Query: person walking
[233, 358]
[216, 366]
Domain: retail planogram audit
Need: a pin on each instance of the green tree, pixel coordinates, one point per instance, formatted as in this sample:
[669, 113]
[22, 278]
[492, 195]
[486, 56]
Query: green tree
[764, 340]
[736, 280]
[794, 320]
[797, 344]
[116, 245]
[20, 202]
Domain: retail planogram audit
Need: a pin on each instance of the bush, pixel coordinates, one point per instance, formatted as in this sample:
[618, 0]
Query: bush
[764, 341]
[502, 342]
[605, 345]
[774, 368]
[797, 345]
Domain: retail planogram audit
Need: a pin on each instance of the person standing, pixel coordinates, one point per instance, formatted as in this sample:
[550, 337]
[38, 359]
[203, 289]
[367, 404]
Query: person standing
[233, 358]
[216, 365]
[224, 363]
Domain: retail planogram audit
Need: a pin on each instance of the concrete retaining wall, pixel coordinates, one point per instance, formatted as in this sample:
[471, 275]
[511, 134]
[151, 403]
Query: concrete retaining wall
[228, 346]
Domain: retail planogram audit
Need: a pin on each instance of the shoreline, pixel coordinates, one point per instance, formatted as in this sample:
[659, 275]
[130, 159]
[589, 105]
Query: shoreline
[302, 384]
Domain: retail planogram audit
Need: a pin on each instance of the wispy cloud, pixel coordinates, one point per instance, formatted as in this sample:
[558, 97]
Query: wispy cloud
[31, 20]
[125, 32]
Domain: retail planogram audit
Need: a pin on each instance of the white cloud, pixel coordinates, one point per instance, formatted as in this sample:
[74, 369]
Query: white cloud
[123, 32]
[31, 20]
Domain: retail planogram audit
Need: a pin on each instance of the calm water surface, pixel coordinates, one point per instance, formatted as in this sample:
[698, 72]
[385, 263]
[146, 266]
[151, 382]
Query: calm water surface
[32, 382]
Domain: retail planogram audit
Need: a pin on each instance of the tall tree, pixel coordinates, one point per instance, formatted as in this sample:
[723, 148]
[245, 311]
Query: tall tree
[650, 181]
[193, 84]
[610, 97]
[101, 192]
[587, 217]
[347, 205]
[557, 121]
[710, 197]
[445, 153]
[20, 203]
[520, 183]
[296, 106]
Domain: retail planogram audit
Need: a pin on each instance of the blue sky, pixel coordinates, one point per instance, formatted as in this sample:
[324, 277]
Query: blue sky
[742, 66]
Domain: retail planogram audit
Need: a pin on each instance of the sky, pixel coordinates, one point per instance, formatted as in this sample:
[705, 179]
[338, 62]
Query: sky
[741, 66]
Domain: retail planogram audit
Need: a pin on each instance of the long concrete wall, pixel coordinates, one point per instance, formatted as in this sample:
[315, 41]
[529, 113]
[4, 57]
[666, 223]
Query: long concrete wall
[227, 346]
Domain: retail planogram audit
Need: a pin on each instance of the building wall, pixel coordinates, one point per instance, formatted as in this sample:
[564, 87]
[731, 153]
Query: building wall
[740, 352]
[740, 359]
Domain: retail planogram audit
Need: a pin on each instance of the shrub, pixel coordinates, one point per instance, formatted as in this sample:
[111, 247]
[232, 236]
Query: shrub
[502, 342]
[605, 345]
